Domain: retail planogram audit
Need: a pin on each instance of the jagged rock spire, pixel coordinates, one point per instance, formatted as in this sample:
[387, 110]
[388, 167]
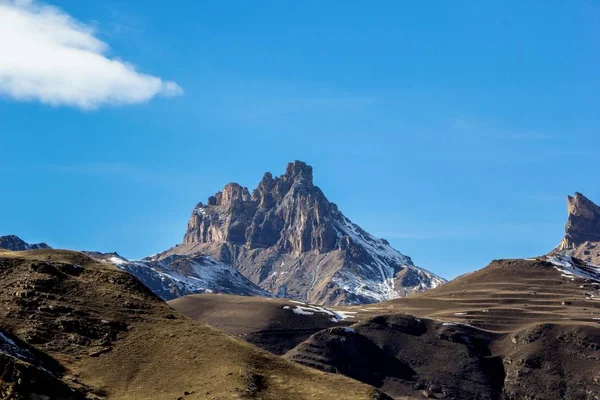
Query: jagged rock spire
[290, 240]
[583, 224]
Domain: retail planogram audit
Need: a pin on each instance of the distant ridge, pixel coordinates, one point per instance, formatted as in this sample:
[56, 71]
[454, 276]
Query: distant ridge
[15, 243]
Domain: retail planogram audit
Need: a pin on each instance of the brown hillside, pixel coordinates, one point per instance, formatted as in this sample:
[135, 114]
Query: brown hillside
[97, 330]
[517, 329]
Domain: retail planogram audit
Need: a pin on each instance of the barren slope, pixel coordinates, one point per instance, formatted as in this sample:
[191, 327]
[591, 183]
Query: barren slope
[102, 333]
[517, 329]
[276, 325]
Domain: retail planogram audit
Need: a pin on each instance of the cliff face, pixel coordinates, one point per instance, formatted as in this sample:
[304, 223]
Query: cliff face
[582, 231]
[286, 237]
[288, 213]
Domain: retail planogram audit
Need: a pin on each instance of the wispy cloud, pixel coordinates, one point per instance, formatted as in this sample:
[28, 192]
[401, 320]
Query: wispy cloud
[127, 171]
[551, 198]
[264, 106]
[48, 56]
[434, 235]
[470, 231]
[458, 232]
[483, 129]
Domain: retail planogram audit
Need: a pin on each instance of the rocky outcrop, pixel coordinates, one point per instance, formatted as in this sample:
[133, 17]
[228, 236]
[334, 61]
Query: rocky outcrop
[287, 212]
[15, 243]
[582, 231]
[286, 237]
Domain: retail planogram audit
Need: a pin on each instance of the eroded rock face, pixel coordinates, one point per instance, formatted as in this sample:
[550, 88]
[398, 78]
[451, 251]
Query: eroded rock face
[287, 212]
[584, 220]
[582, 231]
[286, 237]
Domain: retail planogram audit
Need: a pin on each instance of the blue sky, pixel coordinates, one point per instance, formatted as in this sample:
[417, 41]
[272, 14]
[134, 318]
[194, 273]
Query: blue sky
[453, 129]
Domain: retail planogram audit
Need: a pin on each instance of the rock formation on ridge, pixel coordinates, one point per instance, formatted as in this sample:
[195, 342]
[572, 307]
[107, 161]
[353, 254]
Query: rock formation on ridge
[286, 237]
[582, 231]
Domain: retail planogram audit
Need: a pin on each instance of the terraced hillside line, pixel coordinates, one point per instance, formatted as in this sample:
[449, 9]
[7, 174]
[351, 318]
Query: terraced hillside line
[517, 329]
[506, 295]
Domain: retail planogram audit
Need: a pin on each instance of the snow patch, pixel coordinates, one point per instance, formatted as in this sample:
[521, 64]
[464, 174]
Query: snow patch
[302, 311]
[570, 269]
[200, 211]
[9, 347]
[116, 260]
[309, 309]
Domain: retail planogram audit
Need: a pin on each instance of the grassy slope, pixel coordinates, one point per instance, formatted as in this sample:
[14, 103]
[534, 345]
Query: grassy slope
[161, 355]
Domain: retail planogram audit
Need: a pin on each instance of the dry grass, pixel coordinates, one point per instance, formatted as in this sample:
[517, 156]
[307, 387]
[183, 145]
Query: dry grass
[160, 355]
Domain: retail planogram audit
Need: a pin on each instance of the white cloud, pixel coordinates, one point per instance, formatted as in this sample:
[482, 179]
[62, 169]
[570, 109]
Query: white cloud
[47, 55]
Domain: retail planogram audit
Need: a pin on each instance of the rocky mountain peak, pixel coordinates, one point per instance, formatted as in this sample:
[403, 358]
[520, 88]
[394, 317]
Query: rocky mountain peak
[579, 205]
[583, 224]
[286, 211]
[299, 171]
[582, 231]
[289, 239]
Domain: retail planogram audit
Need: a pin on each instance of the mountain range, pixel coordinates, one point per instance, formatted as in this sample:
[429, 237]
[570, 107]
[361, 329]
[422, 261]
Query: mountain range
[284, 239]
[15, 243]
[516, 329]
[275, 294]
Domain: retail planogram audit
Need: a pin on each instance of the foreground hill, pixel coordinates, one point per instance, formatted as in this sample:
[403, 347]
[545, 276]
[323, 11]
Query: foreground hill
[517, 329]
[74, 328]
[276, 325]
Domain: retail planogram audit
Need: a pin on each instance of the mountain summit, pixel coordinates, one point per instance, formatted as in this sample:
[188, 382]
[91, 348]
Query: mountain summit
[287, 238]
[582, 231]
[287, 213]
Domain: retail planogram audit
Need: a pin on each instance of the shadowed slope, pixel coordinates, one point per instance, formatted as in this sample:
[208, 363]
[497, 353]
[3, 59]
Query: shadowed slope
[517, 329]
[276, 325]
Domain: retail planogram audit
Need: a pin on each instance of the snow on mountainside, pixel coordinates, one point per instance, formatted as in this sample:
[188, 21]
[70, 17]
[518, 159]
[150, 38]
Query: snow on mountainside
[383, 286]
[177, 276]
[573, 268]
